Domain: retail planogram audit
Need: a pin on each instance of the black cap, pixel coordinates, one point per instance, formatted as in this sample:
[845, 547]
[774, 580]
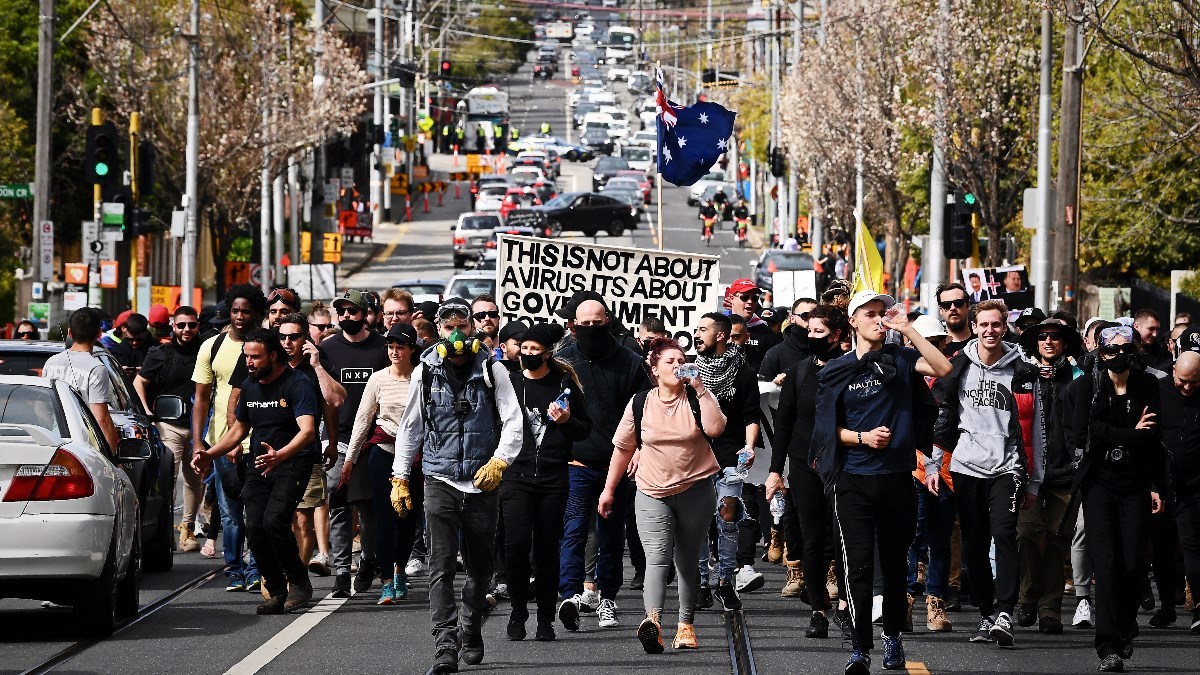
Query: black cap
[403, 333]
[545, 334]
[1030, 315]
[428, 310]
[220, 315]
[1188, 341]
[512, 331]
[567, 311]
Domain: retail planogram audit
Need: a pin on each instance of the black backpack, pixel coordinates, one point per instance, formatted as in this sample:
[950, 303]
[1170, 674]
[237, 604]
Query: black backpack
[639, 409]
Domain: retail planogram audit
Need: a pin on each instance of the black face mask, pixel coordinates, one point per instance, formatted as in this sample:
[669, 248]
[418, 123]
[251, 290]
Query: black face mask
[1117, 364]
[593, 340]
[824, 350]
[532, 361]
[352, 326]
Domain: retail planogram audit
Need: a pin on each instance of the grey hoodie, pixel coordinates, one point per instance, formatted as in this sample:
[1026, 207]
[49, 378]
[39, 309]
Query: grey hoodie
[990, 441]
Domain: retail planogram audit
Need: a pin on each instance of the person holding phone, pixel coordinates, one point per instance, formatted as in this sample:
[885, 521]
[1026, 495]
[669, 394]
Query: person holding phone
[675, 498]
[1120, 477]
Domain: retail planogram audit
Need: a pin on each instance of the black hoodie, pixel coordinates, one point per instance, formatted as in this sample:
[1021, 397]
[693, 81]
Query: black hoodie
[609, 380]
[781, 357]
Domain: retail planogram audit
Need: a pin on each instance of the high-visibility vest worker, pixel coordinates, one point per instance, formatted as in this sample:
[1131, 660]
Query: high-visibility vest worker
[545, 128]
[514, 134]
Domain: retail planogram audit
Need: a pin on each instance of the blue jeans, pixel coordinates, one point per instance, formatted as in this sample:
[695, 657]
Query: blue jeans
[727, 485]
[586, 484]
[935, 522]
[233, 529]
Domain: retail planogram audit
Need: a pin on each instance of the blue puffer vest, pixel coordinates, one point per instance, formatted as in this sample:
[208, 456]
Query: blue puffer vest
[456, 446]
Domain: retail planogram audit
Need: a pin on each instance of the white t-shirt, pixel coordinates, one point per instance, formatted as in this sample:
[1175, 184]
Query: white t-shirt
[84, 372]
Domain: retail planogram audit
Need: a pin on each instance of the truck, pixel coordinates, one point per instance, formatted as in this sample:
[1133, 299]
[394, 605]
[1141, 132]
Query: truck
[484, 103]
[620, 44]
[563, 31]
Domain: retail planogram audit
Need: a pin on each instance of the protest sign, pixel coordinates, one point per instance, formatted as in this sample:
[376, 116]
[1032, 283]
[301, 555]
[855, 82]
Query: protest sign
[537, 276]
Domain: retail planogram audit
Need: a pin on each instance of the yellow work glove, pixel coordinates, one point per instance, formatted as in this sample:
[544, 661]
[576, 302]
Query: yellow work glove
[487, 478]
[401, 499]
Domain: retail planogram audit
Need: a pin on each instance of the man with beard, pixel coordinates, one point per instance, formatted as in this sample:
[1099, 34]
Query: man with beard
[280, 303]
[167, 371]
[794, 347]
[741, 298]
[132, 350]
[610, 375]
[218, 357]
[486, 315]
[727, 376]
[279, 405]
[354, 355]
[953, 306]
[1043, 544]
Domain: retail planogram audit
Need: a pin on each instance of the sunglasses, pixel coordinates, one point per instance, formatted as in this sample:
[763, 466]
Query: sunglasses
[1050, 335]
[187, 325]
[803, 316]
[748, 297]
[291, 337]
[347, 310]
[21, 335]
[947, 304]
[480, 316]
[321, 326]
[1113, 350]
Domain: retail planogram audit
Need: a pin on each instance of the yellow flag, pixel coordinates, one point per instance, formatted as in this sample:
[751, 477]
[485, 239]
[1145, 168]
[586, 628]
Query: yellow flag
[868, 266]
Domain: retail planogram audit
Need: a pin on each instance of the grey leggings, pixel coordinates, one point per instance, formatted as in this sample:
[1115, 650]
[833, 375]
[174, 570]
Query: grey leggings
[674, 527]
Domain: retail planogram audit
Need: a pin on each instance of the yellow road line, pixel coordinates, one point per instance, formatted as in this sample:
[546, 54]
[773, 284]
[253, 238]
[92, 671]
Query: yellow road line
[391, 247]
[917, 668]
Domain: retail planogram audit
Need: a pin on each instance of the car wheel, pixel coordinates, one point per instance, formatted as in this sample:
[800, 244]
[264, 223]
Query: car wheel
[95, 608]
[158, 556]
[616, 228]
[691, 202]
[590, 232]
[554, 228]
[129, 588]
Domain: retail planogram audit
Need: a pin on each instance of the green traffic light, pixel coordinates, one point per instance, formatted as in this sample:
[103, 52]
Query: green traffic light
[969, 199]
[101, 169]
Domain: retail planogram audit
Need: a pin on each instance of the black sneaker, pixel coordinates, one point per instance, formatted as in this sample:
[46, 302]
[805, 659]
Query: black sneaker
[341, 588]
[728, 597]
[1196, 620]
[1112, 664]
[446, 661]
[1050, 624]
[704, 598]
[638, 582]
[545, 633]
[1147, 596]
[984, 632]
[818, 627]
[516, 622]
[1164, 617]
[298, 597]
[274, 605]
[472, 646]
[1026, 615]
[841, 619]
[365, 576]
[568, 613]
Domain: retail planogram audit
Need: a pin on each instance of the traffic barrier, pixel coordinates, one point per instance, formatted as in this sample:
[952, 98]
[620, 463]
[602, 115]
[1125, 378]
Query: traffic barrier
[441, 193]
[426, 210]
[408, 208]
[457, 194]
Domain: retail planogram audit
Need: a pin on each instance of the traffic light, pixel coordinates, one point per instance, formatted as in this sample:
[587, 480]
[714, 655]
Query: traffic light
[958, 229]
[102, 159]
[145, 169]
[446, 68]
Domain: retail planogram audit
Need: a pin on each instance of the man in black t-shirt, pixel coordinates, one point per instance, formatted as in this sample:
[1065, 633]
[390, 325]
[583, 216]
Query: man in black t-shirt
[279, 405]
[353, 354]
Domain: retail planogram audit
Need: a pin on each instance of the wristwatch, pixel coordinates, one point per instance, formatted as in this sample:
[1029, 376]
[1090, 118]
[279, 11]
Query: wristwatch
[859, 437]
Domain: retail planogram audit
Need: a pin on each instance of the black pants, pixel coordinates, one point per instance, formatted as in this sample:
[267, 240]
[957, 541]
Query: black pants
[270, 503]
[988, 509]
[750, 529]
[533, 513]
[1164, 546]
[1187, 519]
[457, 519]
[395, 535]
[876, 511]
[814, 518]
[1118, 525]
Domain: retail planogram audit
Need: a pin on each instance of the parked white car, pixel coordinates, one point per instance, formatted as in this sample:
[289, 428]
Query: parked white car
[618, 73]
[68, 511]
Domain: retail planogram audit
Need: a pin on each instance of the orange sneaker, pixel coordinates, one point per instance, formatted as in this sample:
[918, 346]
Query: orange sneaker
[650, 635]
[685, 637]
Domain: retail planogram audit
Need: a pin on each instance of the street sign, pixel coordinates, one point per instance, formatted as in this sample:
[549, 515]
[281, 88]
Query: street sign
[16, 191]
[38, 291]
[45, 250]
[331, 191]
[112, 213]
[347, 176]
[331, 245]
[1029, 207]
[108, 273]
[77, 274]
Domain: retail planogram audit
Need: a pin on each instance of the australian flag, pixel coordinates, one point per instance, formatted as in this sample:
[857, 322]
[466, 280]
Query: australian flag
[690, 138]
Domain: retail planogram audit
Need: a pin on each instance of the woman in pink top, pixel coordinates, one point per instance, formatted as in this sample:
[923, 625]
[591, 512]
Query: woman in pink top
[674, 466]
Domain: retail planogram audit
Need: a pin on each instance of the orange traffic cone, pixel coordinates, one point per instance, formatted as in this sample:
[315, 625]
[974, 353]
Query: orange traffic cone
[407, 208]
[457, 194]
[441, 193]
[426, 202]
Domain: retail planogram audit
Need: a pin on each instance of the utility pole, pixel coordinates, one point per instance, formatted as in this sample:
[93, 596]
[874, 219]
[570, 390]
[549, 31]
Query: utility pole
[1041, 243]
[816, 221]
[191, 159]
[793, 177]
[293, 172]
[131, 210]
[377, 119]
[45, 139]
[317, 241]
[933, 262]
[1066, 219]
[264, 219]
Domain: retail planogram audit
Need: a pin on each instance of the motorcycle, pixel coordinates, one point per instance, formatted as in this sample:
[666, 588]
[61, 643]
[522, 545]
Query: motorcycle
[742, 225]
[708, 230]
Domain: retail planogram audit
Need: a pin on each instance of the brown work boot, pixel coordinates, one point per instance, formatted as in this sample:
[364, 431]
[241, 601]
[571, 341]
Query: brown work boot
[775, 550]
[935, 615]
[794, 586]
[908, 624]
[187, 539]
[831, 585]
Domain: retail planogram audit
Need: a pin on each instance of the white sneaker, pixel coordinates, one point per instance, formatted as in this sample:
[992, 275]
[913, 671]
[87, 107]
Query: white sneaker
[1083, 614]
[608, 614]
[415, 568]
[589, 601]
[748, 580]
[877, 609]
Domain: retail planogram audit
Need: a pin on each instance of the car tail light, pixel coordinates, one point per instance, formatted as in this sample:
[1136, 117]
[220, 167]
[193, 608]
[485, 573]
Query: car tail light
[491, 244]
[63, 478]
[460, 241]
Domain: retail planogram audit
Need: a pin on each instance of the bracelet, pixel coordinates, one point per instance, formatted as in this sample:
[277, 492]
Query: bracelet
[860, 438]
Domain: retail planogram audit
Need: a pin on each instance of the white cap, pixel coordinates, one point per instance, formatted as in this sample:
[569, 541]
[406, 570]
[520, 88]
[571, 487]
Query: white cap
[929, 326]
[863, 297]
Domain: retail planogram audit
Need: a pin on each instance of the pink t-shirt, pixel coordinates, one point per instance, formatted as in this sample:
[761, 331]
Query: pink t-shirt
[674, 452]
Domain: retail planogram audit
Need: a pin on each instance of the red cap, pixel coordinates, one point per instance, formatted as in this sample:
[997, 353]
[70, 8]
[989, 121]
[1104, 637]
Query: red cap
[122, 318]
[739, 286]
[159, 316]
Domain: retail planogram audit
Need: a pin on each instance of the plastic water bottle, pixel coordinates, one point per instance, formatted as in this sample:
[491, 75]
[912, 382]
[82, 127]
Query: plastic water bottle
[777, 506]
[742, 471]
[563, 398]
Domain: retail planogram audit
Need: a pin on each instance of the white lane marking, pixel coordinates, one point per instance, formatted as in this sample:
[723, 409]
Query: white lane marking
[266, 653]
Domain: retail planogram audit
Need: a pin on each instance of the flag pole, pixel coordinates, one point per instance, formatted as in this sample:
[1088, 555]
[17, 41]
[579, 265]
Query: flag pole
[658, 174]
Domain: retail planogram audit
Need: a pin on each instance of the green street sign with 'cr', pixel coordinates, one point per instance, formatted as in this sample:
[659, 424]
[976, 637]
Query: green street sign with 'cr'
[16, 191]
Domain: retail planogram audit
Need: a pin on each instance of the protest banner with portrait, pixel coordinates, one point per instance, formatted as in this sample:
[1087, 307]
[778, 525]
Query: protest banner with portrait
[1010, 284]
[537, 276]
